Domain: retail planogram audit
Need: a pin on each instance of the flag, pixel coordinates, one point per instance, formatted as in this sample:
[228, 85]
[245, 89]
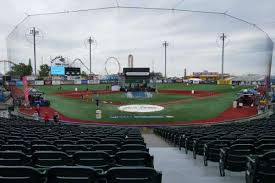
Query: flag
[26, 90]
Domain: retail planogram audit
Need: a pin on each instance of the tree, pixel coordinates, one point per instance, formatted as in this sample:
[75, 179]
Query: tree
[84, 74]
[20, 70]
[44, 70]
[157, 75]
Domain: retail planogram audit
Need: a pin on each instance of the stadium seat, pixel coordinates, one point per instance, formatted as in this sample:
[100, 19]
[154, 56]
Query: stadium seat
[50, 138]
[20, 148]
[262, 149]
[71, 149]
[198, 145]
[243, 141]
[108, 148]
[111, 141]
[40, 142]
[134, 158]
[95, 159]
[45, 159]
[29, 139]
[267, 137]
[212, 150]
[19, 174]
[60, 143]
[261, 168]
[233, 158]
[74, 139]
[88, 143]
[264, 141]
[13, 137]
[72, 174]
[114, 137]
[133, 175]
[44, 148]
[13, 158]
[134, 141]
[134, 147]
[98, 139]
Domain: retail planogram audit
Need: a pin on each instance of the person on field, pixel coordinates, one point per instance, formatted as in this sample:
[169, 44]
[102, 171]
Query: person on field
[37, 109]
[56, 118]
[46, 118]
[35, 116]
[97, 100]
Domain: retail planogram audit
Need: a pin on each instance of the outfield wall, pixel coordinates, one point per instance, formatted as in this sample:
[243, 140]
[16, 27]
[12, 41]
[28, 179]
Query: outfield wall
[54, 82]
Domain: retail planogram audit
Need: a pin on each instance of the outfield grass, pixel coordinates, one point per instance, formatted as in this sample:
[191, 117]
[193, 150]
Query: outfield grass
[157, 98]
[196, 109]
[55, 89]
[198, 87]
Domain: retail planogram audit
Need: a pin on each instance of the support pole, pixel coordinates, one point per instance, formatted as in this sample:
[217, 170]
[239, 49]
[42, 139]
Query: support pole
[223, 37]
[165, 44]
[34, 49]
[90, 53]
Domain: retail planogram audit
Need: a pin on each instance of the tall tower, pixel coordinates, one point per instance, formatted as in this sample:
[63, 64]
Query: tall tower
[130, 61]
[185, 73]
[165, 44]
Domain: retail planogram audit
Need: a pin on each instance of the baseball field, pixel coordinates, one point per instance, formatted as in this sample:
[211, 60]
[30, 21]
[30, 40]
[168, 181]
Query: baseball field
[180, 105]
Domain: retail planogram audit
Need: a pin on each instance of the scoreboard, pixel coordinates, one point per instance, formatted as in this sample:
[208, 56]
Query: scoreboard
[72, 71]
[68, 71]
[136, 75]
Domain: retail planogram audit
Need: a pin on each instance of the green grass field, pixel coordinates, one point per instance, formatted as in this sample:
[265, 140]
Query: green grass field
[195, 109]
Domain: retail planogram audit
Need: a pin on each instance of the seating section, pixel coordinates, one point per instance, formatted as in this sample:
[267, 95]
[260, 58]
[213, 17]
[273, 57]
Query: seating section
[261, 168]
[78, 174]
[232, 145]
[34, 152]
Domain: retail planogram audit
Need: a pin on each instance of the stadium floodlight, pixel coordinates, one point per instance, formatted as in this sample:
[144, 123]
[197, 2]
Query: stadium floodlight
[165, 44]
[222, 41]
[90, 42]
[34, 35]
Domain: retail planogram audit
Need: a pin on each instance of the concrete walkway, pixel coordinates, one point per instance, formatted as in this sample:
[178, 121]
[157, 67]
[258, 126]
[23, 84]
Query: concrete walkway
[178, 167]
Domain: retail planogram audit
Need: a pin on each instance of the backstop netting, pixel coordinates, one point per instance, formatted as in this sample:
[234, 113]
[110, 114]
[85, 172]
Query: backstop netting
[194, 40]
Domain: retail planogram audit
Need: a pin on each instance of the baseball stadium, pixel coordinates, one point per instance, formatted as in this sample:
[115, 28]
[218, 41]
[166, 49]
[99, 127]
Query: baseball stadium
[129, 91]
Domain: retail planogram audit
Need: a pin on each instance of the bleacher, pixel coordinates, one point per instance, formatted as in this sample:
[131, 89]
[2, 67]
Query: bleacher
[247, 146]
[36, 153]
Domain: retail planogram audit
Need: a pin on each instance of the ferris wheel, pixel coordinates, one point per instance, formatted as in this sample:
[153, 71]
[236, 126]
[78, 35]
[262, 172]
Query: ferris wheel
[112, 66]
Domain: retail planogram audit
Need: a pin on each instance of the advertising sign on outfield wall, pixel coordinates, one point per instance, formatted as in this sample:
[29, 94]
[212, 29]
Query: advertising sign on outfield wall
[12, 83]
[19, 83]
[39, 82]
[77, 82]
[30, 78]
[48, 82]
[84, 82]
[31, 83]
[67, 82]
[56, 82]
[94, 82]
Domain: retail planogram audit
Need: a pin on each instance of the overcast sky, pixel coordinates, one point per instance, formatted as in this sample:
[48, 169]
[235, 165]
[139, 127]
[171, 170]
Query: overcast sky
[192, 37]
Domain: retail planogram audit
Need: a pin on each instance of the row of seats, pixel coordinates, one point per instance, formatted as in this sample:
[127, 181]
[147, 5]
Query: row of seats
[232, 145]
[34, 152]
[78, 174]
[96, 159]
[71, 149]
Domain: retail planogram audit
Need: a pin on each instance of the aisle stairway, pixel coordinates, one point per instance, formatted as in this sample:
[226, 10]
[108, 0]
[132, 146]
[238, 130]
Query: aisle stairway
[177, 167]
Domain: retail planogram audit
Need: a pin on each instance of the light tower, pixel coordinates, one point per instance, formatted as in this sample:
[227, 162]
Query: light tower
[223, 39]
[130, 61]
[32, 36]
[165, 44]
[91, 42]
